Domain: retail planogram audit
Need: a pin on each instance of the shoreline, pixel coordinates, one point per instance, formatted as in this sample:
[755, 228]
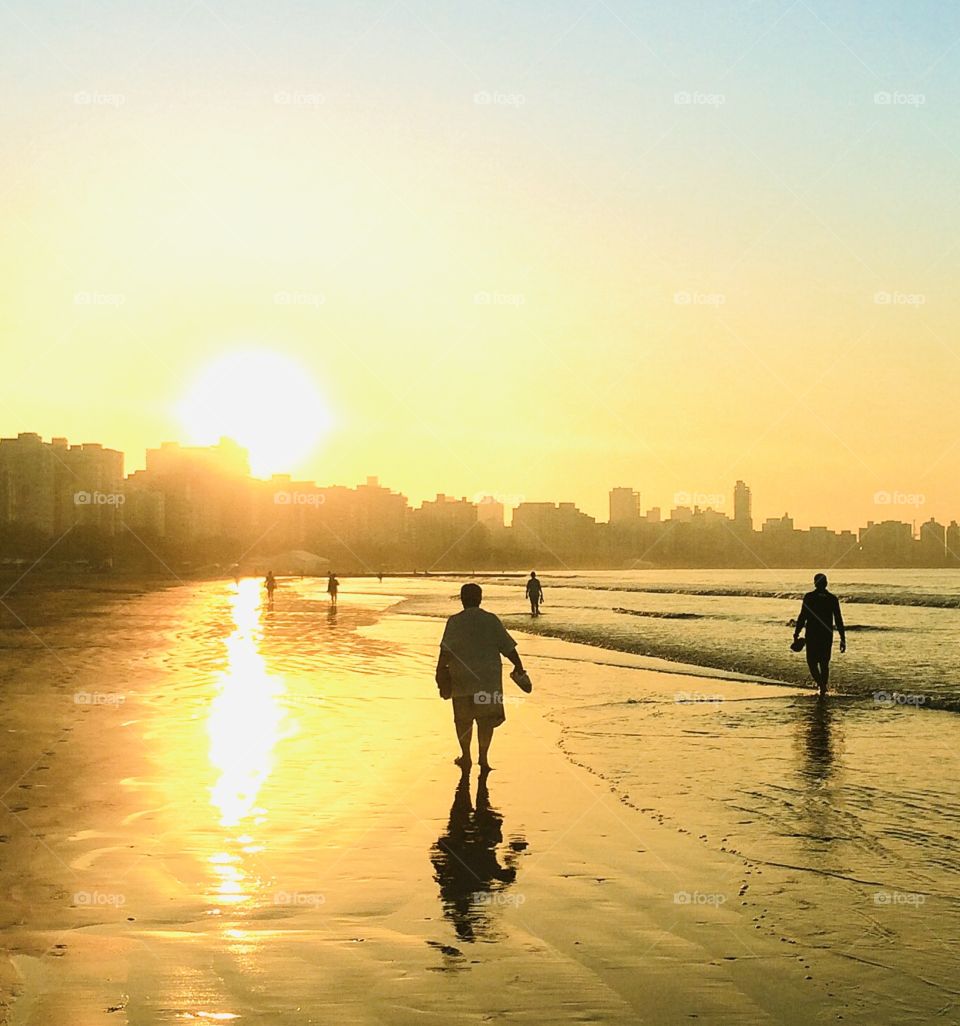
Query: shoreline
[268, 808]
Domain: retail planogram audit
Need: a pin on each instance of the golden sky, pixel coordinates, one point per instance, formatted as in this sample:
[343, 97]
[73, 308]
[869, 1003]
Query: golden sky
[534, 252]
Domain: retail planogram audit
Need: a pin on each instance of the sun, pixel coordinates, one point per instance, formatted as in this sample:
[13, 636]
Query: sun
[265, 401]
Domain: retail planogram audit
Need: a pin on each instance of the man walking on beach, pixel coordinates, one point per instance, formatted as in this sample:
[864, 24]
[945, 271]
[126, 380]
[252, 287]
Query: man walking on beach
[819, 614]
[534, 593]
[333, 586]
[470, 650]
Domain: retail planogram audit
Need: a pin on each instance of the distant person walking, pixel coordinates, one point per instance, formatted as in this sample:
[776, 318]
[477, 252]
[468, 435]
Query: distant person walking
[819, 614]
[333, 586]
[534, 593]
[270, 583]
[469, 670]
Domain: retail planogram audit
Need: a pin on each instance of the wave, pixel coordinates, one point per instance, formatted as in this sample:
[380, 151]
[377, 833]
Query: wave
[864, 684]
[877, 598]
[659, 615]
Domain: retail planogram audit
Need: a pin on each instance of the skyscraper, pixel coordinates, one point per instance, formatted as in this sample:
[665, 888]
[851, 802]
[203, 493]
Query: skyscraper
[742, 506]
[624, 506]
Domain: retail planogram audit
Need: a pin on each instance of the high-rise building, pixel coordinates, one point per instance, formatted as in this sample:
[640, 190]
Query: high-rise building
[742, 506]
[624, 506]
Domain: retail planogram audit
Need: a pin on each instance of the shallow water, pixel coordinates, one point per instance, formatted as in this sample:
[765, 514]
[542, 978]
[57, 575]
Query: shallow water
[903, 625]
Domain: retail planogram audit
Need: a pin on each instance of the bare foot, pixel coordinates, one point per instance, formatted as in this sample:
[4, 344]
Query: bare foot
[463, 761]
[485, 766]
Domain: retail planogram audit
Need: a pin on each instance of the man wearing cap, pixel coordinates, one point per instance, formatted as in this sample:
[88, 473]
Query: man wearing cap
[470, 670]
[819, 614]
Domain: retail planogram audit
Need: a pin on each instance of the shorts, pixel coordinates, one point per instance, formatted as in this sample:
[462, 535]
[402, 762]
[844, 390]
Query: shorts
[819, 648]
[484, 707]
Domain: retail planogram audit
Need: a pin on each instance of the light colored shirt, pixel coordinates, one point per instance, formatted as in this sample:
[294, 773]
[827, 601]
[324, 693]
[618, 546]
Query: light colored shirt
[475, 641]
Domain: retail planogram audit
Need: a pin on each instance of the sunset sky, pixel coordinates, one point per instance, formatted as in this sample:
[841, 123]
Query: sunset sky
[534, 249]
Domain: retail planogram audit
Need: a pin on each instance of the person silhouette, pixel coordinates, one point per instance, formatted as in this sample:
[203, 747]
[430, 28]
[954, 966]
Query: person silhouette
[467, 864]
[819, 614]
[470, 671]
[333, 586]
[270, 583]
[534, 593]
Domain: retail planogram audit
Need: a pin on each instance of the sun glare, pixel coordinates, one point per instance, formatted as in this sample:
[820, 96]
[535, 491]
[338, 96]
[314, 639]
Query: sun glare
[265, 401]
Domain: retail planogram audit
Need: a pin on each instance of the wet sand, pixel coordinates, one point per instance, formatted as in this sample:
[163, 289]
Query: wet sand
[217, 813]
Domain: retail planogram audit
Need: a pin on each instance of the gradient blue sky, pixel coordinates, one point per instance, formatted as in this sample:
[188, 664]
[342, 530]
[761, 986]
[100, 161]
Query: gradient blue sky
[589, 204]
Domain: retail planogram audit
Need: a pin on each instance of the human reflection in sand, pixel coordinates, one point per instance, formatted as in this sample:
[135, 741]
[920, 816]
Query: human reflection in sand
[467, 866]
[243, 727]
[821, 819]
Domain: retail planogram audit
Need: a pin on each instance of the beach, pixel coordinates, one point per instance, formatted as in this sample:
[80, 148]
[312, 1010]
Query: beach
[218, 812]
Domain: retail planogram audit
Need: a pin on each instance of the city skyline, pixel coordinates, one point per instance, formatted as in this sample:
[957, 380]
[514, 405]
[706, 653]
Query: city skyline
[625, 505]
[374, 200]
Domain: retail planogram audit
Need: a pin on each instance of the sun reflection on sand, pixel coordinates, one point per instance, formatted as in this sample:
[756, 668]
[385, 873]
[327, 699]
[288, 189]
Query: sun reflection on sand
[244, 725]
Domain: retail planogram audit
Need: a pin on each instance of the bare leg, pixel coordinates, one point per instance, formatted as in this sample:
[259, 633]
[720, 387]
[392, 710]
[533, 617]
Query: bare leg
[824, 675]
[484, 737]
[465, 737]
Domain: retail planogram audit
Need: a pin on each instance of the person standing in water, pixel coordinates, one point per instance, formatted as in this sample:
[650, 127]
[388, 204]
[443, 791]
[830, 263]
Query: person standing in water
[270, 583]
[333, 586]
[534, 593]
[470, 666]
[819, 615]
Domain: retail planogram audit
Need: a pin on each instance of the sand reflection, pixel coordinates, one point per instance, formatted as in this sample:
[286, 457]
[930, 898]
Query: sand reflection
[473, 881]
[243, 726]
